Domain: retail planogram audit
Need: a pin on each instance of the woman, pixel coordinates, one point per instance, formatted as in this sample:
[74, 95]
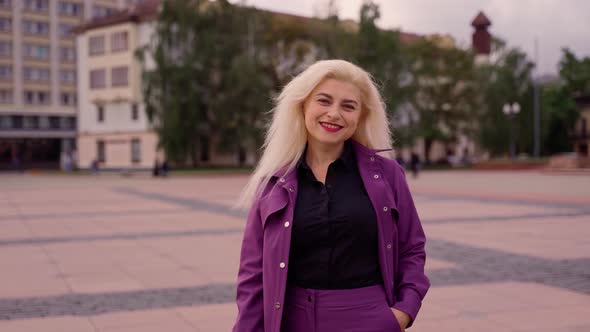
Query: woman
[333, 242]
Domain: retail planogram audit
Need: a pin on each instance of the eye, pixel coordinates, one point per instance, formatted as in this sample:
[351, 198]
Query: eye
[324, 101]
[349, 107]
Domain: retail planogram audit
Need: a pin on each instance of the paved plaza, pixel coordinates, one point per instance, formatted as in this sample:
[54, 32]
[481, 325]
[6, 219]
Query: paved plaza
[506, 251]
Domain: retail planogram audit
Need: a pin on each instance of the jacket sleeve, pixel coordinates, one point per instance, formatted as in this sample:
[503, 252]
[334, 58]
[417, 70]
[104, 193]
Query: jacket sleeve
[249, 289]
[411, 283]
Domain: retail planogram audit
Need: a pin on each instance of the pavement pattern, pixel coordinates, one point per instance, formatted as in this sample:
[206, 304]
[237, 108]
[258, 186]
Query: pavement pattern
[506, 251]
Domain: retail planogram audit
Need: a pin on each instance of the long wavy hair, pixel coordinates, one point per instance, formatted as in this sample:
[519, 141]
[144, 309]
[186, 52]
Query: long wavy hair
[287, 135]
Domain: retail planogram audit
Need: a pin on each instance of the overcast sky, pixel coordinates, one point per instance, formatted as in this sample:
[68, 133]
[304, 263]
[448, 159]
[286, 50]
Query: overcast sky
[556, 24]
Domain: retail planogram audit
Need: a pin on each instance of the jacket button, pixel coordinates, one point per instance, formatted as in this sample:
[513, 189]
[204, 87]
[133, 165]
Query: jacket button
[376, 176]
[286, 224]
[282, 180]
[385, 208]
[277, 306]
[282, 265]
[389, 246]
[372, 158]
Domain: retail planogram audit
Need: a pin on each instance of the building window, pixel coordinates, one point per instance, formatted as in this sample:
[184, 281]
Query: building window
[43, 97]
[66, 30]
[100, 151]
[17, 122]
[36, 97]
[70, 8]
[119, 76]
[70, 123]
[54, 122]
[119, 41]
[36, 27]
[31, 122]
[100, 11]
[5, 122]
[5, 72]
[5, 3]
[67, 76]
[44, 122]
[35, 51]
[36, 74]
[5, 24]
[135, 150]
[68, 99]
[5, 96]
[96, 45]
[100, 113]
[36, 5]
[134, 111]
[98, 79]
[67, 54]
[5, 48]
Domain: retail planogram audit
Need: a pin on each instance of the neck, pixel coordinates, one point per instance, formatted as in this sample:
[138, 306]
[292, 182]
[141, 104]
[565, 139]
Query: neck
[319, 154]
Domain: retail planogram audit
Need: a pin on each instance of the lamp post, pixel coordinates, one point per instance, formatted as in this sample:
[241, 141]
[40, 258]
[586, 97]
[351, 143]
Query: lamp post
[511, 110]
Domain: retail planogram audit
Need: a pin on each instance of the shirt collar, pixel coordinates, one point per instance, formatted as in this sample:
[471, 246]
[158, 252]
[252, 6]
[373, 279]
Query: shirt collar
[347, 157]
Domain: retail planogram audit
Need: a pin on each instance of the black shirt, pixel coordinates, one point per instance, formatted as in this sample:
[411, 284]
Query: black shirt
[334, 237]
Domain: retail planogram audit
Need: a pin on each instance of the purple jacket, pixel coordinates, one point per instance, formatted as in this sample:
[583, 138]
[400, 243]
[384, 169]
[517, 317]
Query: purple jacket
[264, 260]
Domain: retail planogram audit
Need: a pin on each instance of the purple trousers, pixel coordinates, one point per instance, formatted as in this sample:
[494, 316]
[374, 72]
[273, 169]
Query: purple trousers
[344, 310]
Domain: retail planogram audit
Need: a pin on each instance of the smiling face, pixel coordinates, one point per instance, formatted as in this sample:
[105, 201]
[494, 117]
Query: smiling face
[332, 112]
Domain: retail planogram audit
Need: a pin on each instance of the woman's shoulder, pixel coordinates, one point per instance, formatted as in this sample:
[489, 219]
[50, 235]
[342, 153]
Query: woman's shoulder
[392, 170]
[390, 164]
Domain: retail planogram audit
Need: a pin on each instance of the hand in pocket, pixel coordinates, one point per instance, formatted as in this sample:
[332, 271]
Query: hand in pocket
[403, 319]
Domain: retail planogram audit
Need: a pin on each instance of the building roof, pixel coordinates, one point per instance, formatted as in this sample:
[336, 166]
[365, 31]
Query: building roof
[146, 10]
[481, 20]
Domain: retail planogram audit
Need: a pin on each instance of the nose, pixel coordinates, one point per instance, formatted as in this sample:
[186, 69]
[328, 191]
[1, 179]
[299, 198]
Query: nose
[333, 112]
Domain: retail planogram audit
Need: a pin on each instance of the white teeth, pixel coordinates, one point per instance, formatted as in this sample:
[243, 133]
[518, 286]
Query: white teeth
[331, 126]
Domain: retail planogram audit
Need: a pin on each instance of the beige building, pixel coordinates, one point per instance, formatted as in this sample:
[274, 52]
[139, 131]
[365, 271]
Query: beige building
[38, 99]
[112, 125]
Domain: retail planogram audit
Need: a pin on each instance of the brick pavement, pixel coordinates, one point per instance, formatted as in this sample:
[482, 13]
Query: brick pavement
[506, 251]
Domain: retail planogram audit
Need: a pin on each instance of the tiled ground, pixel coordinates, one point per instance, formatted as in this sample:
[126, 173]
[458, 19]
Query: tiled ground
[506, 252]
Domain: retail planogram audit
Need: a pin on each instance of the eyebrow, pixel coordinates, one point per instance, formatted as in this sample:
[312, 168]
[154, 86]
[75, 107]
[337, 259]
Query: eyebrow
[344, 100]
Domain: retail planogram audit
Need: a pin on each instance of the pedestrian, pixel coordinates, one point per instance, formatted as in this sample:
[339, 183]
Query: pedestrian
[94, 167]
[415, 164]
[165, 168]
[156, 169]
[332, 240]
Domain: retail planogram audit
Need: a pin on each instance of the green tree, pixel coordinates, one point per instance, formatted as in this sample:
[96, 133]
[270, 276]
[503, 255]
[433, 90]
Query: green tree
[381, 53]
[444, 92]
[506, 79]
[190, 93]
[559, 109]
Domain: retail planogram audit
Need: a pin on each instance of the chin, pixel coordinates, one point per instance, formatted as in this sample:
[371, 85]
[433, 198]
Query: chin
[332, 139]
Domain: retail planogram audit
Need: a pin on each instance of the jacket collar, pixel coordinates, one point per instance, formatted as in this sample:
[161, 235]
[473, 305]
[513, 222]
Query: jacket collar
[287, 176]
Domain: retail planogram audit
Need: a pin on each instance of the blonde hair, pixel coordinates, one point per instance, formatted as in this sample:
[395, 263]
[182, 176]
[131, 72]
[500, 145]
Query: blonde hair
[287, 136]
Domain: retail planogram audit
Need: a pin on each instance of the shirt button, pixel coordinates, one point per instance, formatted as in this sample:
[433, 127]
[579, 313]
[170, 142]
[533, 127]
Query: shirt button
[372, 158]
[282, 180]
[291, 189]
[277, 305]
[282, 265]
[389, 246]
[385, 208]
[376, 176]
[286, 224]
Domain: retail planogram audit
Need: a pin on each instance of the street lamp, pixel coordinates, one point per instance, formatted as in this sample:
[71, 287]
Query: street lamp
[511, 110]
